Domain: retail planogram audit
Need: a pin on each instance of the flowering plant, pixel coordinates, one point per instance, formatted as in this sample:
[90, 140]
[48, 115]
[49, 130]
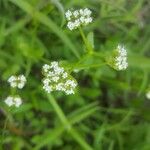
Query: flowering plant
[74, 75]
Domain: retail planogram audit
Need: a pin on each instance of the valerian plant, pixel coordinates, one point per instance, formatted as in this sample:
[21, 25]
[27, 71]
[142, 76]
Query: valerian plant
[57, 78]
[74, 64]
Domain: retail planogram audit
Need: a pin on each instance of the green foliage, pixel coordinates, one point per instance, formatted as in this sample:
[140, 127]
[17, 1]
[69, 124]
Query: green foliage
[109, 110]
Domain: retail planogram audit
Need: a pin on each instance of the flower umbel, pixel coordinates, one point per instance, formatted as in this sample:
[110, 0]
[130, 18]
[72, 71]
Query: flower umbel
[77, 18]
[57, 79]
[121, 58]
[17, 81]
[13, 101]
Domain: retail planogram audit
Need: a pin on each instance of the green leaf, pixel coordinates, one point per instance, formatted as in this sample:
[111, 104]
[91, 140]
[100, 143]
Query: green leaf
[75, 117]
[29, 48]
[60, 7]
[47, 22]
[138, 61]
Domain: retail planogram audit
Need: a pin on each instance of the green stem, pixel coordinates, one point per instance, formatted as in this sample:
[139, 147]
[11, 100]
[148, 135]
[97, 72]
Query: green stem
[101, 55]
[59, 112]
[66, 123]
[88, 46]
[90, 66]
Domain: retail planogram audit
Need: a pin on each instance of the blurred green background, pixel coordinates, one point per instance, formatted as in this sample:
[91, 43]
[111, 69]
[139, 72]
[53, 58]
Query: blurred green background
[109, 110]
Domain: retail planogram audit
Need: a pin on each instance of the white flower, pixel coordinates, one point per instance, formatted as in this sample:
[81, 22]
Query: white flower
[68, 92]
[121, 58]
[17, 81]
[77, 18]
[60, 87]
[68, 14]
[9, 101]
[13, 100]
[57, 79]
[87, 12]
[76, 13]
[65, 75]
[148, 94]
[70, 83]
[46, 68]
[54, 64]
[71, 25]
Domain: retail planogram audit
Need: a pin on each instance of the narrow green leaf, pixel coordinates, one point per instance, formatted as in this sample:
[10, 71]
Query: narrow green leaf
[75, 117]
[47, 22]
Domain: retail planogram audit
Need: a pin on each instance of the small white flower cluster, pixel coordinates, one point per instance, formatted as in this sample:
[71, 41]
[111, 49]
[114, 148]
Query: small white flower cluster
[17, 81]
[78, 18]
[121, 58]
[13, 101]
[148, 94]
[57, 79]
